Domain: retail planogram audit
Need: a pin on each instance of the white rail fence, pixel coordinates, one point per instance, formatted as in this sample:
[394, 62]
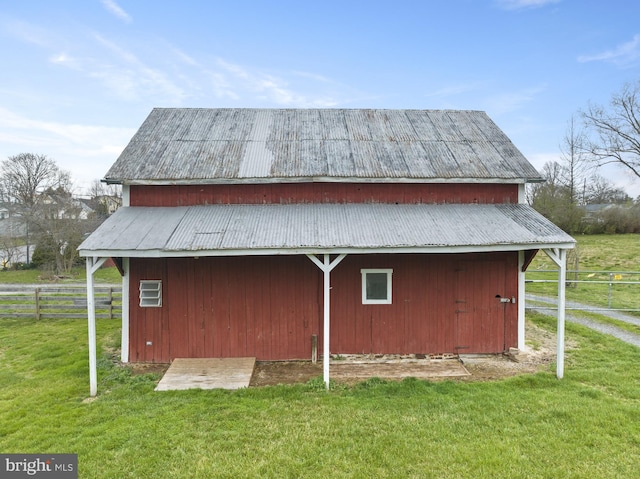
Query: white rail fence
[619, 290]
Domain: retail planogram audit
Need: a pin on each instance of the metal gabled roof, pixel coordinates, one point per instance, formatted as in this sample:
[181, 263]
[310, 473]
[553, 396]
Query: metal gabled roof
[184, 145]
[227, 230]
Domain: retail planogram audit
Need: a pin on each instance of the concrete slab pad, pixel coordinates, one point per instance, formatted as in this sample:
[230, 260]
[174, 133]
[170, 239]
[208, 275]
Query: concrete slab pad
[207, 373]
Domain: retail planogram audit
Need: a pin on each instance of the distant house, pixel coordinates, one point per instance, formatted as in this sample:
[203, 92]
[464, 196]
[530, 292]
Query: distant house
[248, 232]
[105, 205]
[5, 211]
[56, 205]
[592, 212]
[10, 220]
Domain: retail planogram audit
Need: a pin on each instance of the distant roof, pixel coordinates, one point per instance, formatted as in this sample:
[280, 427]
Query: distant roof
[227, 230]
[184, 145]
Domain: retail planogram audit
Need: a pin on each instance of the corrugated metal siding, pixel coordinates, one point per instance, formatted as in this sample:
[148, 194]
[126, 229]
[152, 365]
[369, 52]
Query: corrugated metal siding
[218, 145]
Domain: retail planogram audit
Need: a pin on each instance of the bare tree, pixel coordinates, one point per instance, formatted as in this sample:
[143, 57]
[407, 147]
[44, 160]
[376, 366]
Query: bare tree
[599, 190]
[9, 250]
[575, 166]
[26, 175]
[23, 178]
[616, 129]
[61, 228]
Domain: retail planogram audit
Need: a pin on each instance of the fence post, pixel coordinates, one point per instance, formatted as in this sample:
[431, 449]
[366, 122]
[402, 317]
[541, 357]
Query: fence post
[37, 295]
[110, 302]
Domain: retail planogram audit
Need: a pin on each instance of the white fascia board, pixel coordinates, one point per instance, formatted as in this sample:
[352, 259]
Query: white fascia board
[321, 179]
[319, 250]
[126, 196]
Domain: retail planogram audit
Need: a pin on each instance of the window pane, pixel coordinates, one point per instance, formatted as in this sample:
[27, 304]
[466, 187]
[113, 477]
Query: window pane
[150, 294]
[377, 286]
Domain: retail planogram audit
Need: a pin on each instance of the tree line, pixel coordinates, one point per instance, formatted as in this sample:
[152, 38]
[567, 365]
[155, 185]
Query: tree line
[574, 196]
[41, 221]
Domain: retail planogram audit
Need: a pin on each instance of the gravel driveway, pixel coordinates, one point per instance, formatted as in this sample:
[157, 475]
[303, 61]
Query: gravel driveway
[621, 334]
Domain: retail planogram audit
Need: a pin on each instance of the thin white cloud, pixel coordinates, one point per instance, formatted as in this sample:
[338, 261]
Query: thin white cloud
[481, 96]
[182, 56]
[538, 160]
[269, 88]
[66, 60]
[624, 54]
[116, 10]
[313, 76]
[116, 49]
[28, 33]
[512, 101]
[54, 132]
[170, 76]
[523, 4]
[453, 90]
[230, 81]
[119, 70]
[86, 151]
[130, 78]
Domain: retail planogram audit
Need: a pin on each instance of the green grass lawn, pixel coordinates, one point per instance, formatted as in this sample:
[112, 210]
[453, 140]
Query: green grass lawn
[530, 426]
[77, 275]
[603, 253]
[585, 425]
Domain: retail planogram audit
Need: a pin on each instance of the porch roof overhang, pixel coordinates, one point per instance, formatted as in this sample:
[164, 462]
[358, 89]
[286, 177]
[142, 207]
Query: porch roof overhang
[274, 229]
[314, 229]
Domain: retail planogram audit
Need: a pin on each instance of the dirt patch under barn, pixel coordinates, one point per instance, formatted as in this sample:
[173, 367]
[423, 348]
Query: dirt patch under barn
[538, 354]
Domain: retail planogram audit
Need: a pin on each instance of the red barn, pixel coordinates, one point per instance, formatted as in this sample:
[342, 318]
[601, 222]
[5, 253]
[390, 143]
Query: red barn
[248, 232]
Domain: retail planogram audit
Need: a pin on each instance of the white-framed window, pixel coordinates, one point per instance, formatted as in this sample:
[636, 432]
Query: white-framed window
[150, 293]
[376, 286]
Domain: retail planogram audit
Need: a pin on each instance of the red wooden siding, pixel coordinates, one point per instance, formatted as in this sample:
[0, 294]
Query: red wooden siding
[480, 314]
[265, 307]
[186, 195]
[269, 307]
[427, 290]
[147, 324]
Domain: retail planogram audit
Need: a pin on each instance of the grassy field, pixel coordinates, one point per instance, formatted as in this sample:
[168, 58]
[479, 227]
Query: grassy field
[77, 275]
[585, 425]
[618, 254]
[530, 426]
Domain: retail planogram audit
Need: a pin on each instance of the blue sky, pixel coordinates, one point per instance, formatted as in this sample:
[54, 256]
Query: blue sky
[79, 77]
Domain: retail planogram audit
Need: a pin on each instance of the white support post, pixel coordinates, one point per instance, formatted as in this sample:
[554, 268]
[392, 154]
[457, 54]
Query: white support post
[326, 266]
[326, 334]
[521, 302]
[559, 257]
[91, 311]
[93, 264]
[521, 281]
[562, 278]
[124, 348]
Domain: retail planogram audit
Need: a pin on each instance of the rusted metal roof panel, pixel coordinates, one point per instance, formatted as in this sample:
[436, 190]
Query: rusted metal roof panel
[182, 145]
[229, 229]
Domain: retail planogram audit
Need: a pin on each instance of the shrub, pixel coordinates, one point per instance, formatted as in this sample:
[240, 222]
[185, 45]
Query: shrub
[44, 255]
